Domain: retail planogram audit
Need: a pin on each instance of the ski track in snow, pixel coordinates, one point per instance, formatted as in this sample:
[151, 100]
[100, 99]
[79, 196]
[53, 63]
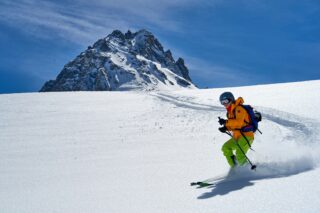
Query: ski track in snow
[186, 102]
[296, 131]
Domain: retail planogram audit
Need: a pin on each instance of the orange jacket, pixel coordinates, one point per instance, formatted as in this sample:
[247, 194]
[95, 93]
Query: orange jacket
[238, 118]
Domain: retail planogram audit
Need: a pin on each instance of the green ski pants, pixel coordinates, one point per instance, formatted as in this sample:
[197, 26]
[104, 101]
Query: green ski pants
[231, 146]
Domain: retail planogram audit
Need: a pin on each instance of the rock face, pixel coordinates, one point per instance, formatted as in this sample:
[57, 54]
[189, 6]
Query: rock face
[130, 61]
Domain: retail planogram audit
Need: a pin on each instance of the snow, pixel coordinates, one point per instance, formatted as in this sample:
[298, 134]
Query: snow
[170, 77]
[138, 152]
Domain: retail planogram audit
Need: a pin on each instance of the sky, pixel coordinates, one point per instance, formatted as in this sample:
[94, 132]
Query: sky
[224, 43]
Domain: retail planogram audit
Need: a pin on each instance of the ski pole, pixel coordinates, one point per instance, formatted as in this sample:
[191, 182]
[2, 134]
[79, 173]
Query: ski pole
[246, 140]
[253, 167]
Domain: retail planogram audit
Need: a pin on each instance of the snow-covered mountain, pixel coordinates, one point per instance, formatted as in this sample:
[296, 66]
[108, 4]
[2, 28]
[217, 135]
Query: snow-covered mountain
[98, 152]
[130, 61]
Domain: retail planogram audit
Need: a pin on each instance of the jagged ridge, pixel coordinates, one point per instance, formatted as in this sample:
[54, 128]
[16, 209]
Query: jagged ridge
[120, 61]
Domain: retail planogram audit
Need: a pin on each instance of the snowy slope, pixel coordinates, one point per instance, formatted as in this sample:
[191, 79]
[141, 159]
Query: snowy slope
[138, 152]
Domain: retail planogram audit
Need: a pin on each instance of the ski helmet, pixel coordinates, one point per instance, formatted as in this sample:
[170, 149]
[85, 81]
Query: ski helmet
[226, 98]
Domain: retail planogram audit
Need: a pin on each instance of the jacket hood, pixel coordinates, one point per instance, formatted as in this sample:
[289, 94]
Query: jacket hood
[237, 102]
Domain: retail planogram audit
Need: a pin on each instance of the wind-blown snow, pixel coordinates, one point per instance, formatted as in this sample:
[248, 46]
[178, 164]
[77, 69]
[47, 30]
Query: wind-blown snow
[138, 152]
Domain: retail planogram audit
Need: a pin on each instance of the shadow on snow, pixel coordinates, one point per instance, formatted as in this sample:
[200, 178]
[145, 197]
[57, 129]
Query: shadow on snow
[245, 178]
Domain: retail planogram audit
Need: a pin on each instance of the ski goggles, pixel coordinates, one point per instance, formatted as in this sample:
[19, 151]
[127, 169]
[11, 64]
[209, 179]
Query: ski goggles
[225, 101]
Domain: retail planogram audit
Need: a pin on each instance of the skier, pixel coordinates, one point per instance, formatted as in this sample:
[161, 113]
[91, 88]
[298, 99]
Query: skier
[237, 119]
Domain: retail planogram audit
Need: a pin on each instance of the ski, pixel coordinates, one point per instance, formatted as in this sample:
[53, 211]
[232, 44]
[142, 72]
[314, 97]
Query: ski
[201, 184]
[226, 179]
[208, 182]
[231, 176]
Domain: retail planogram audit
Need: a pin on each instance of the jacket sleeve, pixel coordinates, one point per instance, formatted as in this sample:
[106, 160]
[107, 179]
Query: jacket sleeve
[239, 121]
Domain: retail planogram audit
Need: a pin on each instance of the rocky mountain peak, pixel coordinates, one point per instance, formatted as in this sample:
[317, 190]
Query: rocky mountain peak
[123, 61]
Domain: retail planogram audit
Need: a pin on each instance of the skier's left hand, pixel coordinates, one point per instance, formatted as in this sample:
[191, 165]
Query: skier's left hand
[223, 129]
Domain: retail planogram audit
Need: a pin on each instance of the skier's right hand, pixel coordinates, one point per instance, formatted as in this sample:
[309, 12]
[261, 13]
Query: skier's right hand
[222, 121]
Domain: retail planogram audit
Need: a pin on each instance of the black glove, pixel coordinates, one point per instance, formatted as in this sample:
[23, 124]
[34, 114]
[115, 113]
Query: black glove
[223, 129]
[222, 121]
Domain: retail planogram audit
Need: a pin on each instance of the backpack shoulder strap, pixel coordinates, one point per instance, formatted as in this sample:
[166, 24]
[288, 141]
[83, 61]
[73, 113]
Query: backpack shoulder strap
[245, 109]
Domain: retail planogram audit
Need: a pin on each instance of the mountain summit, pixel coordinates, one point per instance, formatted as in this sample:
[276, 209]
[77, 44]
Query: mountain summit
[130, 61]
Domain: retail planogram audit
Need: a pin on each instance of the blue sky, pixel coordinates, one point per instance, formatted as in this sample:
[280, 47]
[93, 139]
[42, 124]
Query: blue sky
[224, 42]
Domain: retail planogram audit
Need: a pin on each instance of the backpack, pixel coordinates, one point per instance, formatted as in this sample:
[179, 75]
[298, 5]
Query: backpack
[254, 116]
